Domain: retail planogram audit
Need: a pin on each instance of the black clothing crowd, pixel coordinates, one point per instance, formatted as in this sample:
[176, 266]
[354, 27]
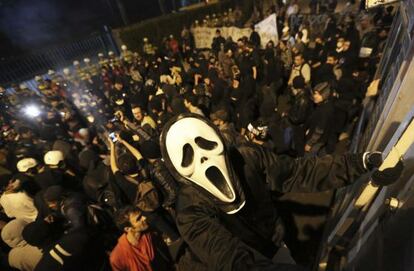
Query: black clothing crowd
[85, 143]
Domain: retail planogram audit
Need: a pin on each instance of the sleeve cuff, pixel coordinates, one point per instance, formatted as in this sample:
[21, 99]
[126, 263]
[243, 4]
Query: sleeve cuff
[364, 156]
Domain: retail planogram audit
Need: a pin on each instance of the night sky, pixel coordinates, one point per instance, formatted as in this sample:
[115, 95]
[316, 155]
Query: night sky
[30, 25]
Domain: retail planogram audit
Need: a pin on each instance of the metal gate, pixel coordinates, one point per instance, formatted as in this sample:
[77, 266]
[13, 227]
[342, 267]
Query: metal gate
[22, 68]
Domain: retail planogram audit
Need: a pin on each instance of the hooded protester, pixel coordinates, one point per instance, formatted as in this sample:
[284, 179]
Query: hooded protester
[255, 37]
[98, 183]
[272, 76]
[77, 250]
[64, 206]
[159, 173]
[55, 172]
[225, 212]
[328, 71]
[41, 234]
[294, 119]
[221, 119]
[319, 126]
[22, 256]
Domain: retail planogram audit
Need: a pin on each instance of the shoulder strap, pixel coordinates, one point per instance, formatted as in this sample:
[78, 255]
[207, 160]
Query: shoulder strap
[131, 180]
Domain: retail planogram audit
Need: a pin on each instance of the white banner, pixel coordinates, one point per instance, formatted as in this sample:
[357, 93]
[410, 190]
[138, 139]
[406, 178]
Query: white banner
[267, 30]
[203, 36]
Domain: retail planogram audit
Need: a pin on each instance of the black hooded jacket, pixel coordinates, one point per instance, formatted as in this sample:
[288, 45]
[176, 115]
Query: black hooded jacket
[164, 181]
[301, 108]
[243, 241]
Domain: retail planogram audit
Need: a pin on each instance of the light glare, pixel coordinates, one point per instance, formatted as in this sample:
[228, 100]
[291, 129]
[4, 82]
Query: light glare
[32, 111]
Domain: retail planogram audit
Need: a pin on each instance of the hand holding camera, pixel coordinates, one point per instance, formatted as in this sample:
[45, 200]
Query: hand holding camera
[119, 115]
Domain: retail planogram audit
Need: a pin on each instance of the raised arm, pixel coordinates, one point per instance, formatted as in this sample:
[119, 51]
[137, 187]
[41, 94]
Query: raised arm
[286, 174]
[131, 148]
[114, 167]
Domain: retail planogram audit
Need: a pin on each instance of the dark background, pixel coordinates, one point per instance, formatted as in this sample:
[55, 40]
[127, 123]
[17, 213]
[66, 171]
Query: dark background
[30, 25]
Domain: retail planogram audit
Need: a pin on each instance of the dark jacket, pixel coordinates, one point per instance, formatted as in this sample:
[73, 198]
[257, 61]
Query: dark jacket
[215, 45]
[55, 176]
[255, 39]
[77, 250]
[300, 109]
[230, 135]
[243, 241]
[162, 178]
[73, 209]
[72, 212]
[321, 124]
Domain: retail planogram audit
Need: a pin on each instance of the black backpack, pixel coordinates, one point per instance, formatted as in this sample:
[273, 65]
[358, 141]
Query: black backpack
[101, 188]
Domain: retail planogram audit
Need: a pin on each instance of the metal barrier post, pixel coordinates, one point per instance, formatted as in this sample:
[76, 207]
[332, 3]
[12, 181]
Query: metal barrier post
[108, 34]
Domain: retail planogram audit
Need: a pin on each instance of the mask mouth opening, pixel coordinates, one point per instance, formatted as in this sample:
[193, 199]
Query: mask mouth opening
[217, 178]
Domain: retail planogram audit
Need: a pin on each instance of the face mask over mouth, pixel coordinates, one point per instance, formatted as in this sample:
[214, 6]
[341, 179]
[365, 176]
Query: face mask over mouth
[193, 148]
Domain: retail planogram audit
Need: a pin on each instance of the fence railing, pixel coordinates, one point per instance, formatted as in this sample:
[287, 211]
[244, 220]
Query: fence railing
[156, 29]
[393, 56]
[25, 67]
[372, 109]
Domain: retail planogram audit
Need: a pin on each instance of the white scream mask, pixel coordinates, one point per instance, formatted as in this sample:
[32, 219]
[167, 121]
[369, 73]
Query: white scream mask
[196, 151]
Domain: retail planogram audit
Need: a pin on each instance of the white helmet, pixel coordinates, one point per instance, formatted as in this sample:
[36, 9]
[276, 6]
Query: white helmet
[149, 83]
[90, 118]
[145, 39]
[100, 55]
[83, 132]
[76, 63]
[110, 53]
[50, 72]
[124, 47]
[86, 60]
[23, 86]
[193, 148]
[66, 71]
[53, 158]
[25, 164]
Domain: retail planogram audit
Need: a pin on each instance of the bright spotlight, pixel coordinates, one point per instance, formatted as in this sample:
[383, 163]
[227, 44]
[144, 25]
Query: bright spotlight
[32, 111]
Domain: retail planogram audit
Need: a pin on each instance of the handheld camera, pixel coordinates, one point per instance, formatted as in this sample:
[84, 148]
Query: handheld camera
[113, 137]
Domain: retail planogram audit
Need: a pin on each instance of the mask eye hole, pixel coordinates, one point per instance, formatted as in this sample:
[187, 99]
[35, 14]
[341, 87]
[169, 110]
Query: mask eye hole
[205, 144]
[188, 155]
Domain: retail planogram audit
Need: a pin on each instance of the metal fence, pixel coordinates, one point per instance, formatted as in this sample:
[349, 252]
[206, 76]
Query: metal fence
[343, 214]
[363, 132]
[25, 67]
[156, 29]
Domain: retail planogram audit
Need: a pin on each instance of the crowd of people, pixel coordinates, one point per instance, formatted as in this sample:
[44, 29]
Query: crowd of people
[84, 183]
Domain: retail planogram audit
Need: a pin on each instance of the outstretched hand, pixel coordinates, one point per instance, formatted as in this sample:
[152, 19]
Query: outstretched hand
[120, 115]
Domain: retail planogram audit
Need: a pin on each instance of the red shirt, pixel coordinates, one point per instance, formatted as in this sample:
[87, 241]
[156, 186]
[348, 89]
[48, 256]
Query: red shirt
[174, 46]
[125, 256]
